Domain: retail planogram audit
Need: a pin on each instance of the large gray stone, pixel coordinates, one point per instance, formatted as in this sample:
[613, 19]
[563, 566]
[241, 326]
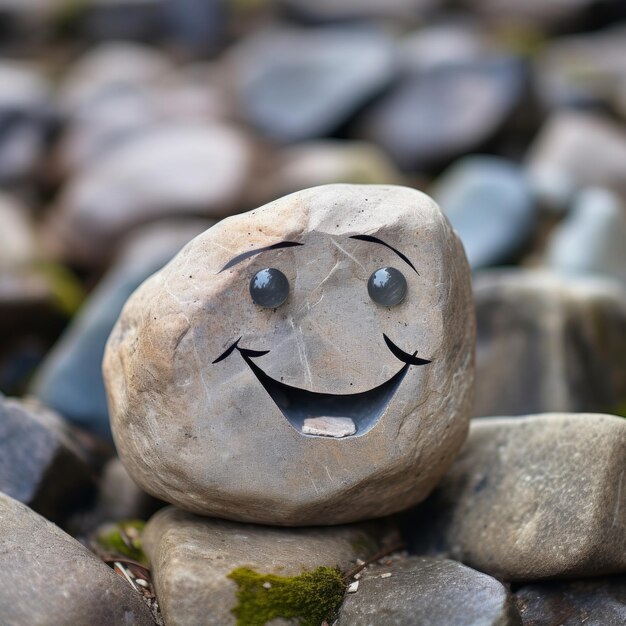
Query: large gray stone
[444, 111]
[192, 558]
[533, 498]
[302, 84]
[41, 462]
[70, 378]
[546, 342]
[593, 602]
[587, 149]
[428, 592]
[178, 168]
[46, 577]
[203, 432]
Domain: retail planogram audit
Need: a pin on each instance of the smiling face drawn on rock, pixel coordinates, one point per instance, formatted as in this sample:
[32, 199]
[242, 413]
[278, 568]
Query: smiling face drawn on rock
[308, 362]
[314, 413]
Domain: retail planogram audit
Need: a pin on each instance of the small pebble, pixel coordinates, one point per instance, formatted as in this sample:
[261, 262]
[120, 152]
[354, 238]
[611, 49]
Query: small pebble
[267, 585]
[329, 426]
[352, 587]
[386, 575]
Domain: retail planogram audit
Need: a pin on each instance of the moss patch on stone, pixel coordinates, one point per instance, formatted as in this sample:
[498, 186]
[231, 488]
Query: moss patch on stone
[310, 597]
[124, 538]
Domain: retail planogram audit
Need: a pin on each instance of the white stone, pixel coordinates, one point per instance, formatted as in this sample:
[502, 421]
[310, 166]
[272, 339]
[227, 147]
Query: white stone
[329, 426]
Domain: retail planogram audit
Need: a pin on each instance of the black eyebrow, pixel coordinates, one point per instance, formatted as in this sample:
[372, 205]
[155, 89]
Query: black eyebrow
[246, 255]
[371, 239]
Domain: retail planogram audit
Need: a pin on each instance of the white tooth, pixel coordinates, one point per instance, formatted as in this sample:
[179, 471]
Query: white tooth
[329, 426]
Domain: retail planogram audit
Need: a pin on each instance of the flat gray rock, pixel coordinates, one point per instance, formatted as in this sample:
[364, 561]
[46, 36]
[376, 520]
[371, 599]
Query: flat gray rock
[490, 205]
[592, 602]
[47, 577]
[173, 169]
[41, 462]
[420, 591]
[297, 84]
[533, 498]
[548, 342]
[195, 562]
[209, 391]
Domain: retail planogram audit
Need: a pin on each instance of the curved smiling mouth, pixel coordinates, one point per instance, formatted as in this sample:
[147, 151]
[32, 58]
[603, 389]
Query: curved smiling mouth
[328, 414]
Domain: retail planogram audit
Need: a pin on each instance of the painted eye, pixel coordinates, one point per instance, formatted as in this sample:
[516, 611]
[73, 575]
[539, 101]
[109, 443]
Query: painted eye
[387, 286]
[269, 288]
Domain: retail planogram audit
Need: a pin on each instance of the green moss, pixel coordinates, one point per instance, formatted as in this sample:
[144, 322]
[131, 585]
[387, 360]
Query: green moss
[66, 289]
[124, 538]
[311, 597]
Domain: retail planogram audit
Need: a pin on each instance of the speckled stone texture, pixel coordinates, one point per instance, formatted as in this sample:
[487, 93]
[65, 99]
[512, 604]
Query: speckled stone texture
[209, 438]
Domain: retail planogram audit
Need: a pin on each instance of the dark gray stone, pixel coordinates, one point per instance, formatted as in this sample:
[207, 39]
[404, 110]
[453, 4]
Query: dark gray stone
[296, 84]
[532, 498]
[428, 592]
[489, 202]
[70, 379]
[41, 462]
[438, 114]
[546, 342]
[47, 577]
[594, 602]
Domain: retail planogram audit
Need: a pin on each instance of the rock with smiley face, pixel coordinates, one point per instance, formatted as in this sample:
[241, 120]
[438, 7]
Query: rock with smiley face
[308, 362]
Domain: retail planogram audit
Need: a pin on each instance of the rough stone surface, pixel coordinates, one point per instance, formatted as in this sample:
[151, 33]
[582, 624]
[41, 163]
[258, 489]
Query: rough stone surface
[490, 205]
[594, 602]
[70, 378]
[302, 84]
[41, 463]
[533, 498]
[546, 342]
[47, 577]
[428, 592]
[591, 239]
[193, 168]
[582, 147]
[444, 111]
[209, 438]
[191, 558]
